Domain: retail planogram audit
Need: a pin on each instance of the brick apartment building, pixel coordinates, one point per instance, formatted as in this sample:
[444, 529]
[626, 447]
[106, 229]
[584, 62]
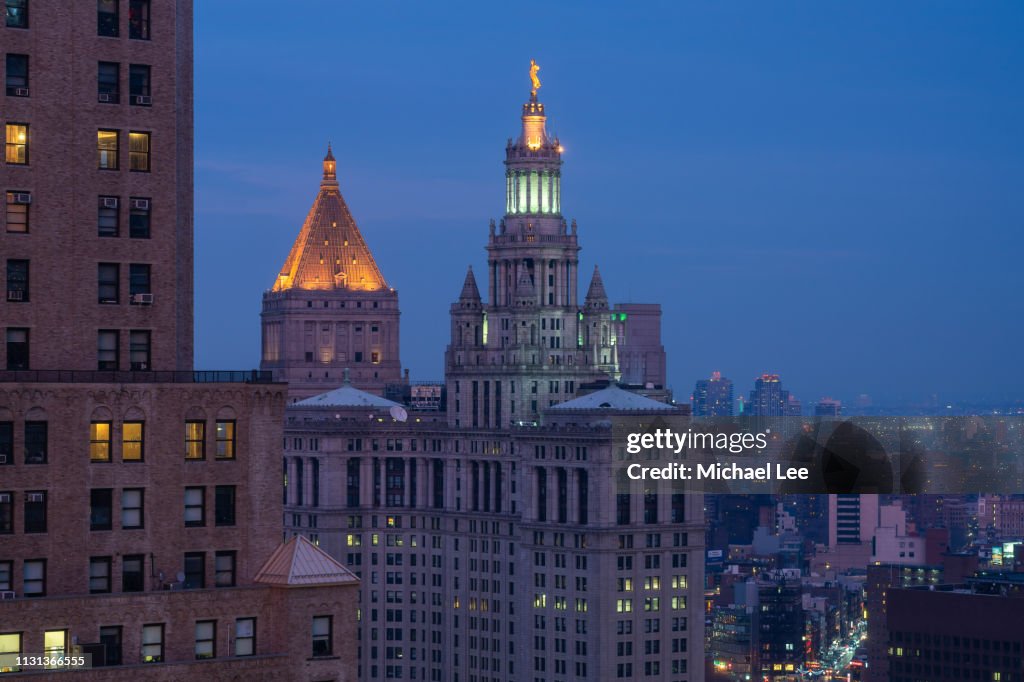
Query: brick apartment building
[140, 501]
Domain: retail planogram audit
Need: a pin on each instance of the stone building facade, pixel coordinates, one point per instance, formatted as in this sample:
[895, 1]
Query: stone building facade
[140, 501]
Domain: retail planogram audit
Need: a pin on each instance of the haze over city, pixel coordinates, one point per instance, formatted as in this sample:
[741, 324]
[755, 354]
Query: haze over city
[829, 193]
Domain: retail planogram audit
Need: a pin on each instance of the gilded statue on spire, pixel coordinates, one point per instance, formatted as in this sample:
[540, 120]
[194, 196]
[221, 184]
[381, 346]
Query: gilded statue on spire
[533, 77]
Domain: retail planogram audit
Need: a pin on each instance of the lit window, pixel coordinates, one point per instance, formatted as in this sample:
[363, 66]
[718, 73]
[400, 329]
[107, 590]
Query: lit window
[226, 439]
[17, 75]
[106, 146]
[245, 636]
[206, 639]
[138, 152]
[133, 441]
[195, 507]
[17, 143]
[322, 635]
[132, 508]
[99, 442]
[17, 13]
[107, 350]
[152, 643]
[195, 440]
[99, 574]
[17, 211]
[10, 650]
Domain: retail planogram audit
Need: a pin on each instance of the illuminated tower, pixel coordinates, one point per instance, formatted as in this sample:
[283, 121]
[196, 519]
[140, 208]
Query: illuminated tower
[330, 308]
[529, 344]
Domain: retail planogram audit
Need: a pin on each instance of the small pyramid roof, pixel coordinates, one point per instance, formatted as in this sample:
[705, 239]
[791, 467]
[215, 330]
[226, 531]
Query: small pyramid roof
[614, 398]
[299, 563]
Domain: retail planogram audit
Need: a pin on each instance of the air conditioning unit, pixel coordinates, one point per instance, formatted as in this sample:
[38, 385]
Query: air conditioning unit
[106, 97]
[141, 204]
[7, 594]
[144, 100]
[109, 202]
[36, 497]
[19, 198]
[21, 92]
[15, 295]
[142, 299]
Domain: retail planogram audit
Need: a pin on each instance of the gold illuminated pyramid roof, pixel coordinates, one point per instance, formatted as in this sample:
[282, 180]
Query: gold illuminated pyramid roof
[329, 252]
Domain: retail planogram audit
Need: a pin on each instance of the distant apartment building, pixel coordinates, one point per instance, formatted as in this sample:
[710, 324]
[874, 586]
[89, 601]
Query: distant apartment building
[713, 397]
[140, 502]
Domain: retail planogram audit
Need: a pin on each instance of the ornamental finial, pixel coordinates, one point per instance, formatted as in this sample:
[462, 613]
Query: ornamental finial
[534, 68]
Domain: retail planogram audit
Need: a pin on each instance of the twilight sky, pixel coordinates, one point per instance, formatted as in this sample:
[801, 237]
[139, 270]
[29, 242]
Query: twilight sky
[830, 191]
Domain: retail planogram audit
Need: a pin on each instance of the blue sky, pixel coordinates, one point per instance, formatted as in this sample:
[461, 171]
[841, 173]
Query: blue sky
[830, 191]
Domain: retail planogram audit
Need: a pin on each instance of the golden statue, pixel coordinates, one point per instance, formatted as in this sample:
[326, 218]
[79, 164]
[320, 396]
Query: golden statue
[533, 77]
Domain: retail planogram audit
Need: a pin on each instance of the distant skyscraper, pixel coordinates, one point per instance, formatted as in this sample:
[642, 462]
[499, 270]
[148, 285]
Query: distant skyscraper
[713, 397]
[768, 399]
[852, 519]
[330, 309]
[827, 407]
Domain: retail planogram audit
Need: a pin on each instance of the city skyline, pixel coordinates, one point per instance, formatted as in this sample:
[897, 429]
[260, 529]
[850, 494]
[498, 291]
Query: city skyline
[424, 179]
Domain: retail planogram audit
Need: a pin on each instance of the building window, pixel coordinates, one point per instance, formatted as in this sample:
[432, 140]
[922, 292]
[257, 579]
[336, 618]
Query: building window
[224, 505]
[132, 577]
[17, 348]
[195, 440]
[195, 507]
[108, 85]
[140, 282]
[34, 578]
[36, 442]
[138, 19]
[138, 218]
[17, 75]
[106, 145]
[55, 644]
[17, 13]
[17, 211]
[6, 443]
[10, 650]
[153, 643]
[17, 280]
[138, 151]
[245, 636]
[224, 569]
[6, 576]
[138, 85]
[139, 350]
[322, 635]
[99, 574]
[195, 570]
[108, 278]
[132, 502]
[133, 441]
[226, 439]
[99, 441]
[106, 18]
[35, 511]
[110, 639]
[107, 349]
[6, 513]
[108, 222]
[101, 503]
[206, 639]
[17, 144]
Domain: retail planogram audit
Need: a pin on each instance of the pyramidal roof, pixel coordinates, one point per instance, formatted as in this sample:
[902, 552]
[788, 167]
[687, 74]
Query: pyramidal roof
[596, 292]
[330, 252]
[346, 395]
[470, 291]
[614, 398]
[299, 562]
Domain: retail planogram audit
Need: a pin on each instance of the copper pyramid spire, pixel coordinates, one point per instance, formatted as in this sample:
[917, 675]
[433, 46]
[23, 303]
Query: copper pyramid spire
[329, 252]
